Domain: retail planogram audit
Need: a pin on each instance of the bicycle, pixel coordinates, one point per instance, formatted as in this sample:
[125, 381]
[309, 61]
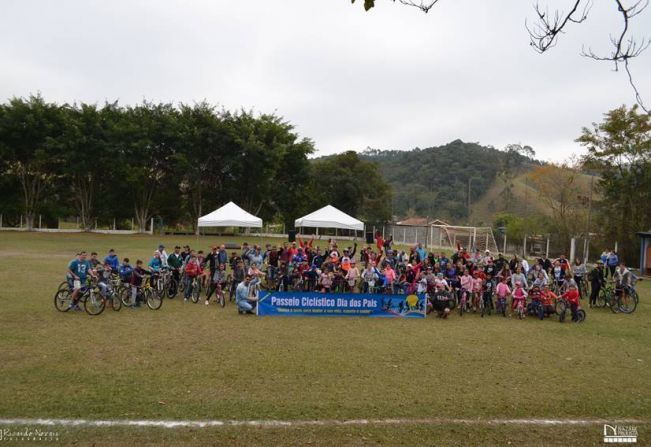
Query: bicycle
[585, 287]
[486, 304]
[500, 308]
[463, 302]
[195, 287]
[145, 294]
[628, 305]
[606, 294]
[219, 294]
[63, 296]
[536, 309]
[95, 301]
[561, 308]
[520, 309]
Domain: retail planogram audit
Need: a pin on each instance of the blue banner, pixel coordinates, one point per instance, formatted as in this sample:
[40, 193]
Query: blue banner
[340, 304]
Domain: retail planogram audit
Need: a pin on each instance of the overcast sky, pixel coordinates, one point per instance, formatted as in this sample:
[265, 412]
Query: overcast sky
[390, 78]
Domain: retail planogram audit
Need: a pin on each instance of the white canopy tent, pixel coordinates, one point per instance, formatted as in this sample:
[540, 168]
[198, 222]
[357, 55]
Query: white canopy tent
[230, 215]
[329, 217]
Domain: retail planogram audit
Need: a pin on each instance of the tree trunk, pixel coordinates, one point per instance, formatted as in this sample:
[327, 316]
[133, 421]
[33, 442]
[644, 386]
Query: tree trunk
[198, 197]
[141, 219]
[29, 221]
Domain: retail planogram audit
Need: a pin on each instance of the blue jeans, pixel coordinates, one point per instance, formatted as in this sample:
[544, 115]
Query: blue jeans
[245, 306]
[187, 286]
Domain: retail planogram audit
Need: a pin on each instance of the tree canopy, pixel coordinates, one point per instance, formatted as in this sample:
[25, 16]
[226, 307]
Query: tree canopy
[170, 162]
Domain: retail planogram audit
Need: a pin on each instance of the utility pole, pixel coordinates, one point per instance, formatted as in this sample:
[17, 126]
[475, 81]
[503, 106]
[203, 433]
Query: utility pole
[587, 230]
[469, 182]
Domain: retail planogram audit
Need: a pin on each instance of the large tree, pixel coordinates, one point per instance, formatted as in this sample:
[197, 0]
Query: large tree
[560, 191]
[147, 137]
[87, 140]
[28, 133]
[353, 185]
[620, 149]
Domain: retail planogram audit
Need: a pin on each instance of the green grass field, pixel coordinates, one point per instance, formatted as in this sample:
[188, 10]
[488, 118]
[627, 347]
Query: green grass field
[192, 362]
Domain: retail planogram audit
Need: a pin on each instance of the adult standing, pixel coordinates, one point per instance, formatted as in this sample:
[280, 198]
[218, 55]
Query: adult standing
[422, 253]
[78, 271]
[613, 262]
[163, 256]
[596, 277]
[579, 273]
[175, 262]
[604, 258]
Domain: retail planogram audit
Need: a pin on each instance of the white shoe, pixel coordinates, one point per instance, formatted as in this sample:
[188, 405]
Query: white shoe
[185, 300]
[207, 302]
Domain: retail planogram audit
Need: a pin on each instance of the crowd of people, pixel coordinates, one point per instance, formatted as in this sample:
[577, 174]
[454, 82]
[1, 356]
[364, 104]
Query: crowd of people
[477, 278]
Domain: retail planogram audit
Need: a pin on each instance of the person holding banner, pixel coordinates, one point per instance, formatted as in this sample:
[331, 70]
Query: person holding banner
[245, 302]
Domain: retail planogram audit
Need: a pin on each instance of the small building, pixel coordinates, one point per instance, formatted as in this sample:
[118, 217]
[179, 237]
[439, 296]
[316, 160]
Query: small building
[645, 253]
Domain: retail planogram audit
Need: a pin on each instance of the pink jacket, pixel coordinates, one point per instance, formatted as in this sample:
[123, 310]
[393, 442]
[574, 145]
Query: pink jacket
[502, 290]
[466, 282]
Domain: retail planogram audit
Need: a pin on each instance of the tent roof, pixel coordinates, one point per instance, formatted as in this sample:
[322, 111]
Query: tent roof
[329, 217]
[230, 215]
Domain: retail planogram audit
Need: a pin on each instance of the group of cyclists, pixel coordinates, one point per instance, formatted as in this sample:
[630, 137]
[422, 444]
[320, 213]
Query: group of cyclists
[473, 281]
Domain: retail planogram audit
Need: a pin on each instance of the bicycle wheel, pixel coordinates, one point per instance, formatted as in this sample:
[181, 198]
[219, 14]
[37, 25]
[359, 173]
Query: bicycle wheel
[560, 310]
[116, 302]
[580, 316]
[453, 303]
[154, 301]
[222, 299]
[602, 298]
[63, 285]
[613, 303]
[196, 293]
[629, 306]
[94, 303]
[172, 288]
[62, 300]
[125, 296]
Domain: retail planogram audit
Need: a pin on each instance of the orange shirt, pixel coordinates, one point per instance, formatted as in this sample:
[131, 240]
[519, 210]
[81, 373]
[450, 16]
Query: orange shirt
[548, 297]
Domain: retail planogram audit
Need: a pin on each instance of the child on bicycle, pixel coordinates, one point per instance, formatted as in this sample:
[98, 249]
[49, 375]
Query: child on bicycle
[572, 296]
[477, 286]
[351, 276]
[192, 271]
[503, 291]
[548, 300]
[370, 277]
[125, 271]
[536, 305]
[104, 279]
[519, 297]
[467, 284]
[136, 282]
[326, 281]
[217, 282]
[488, 291]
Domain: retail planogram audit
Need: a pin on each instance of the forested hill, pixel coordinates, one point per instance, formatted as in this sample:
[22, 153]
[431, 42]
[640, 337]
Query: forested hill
[434, 181]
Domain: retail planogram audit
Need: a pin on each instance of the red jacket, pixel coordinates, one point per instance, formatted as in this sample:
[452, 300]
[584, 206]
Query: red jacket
[192, 269]
[572, 296]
